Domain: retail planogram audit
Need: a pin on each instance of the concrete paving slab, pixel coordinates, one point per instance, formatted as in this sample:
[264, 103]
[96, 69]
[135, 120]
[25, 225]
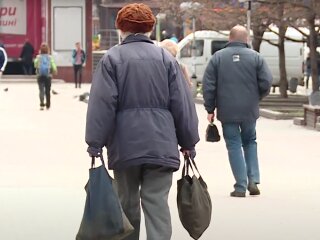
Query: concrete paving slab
[44, 167]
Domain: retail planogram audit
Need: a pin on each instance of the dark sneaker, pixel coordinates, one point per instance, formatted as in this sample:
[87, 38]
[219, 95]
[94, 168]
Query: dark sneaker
[253, 189]
[237, 194]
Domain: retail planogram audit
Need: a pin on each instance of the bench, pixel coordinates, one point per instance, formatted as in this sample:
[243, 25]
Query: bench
[311, 115]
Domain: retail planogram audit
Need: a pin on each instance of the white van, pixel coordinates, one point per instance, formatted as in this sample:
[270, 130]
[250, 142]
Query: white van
[208, 42]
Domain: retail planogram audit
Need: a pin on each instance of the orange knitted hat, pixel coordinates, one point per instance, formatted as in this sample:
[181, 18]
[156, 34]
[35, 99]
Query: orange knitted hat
[135, 18]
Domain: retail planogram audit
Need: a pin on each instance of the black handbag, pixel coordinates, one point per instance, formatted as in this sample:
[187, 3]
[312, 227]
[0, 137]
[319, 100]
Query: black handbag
[193, 200]
[103, 217]
[212, 133]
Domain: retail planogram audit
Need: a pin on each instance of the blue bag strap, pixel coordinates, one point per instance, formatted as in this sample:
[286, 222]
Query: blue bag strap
[93, 159]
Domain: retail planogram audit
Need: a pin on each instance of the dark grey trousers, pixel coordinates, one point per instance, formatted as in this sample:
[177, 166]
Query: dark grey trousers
[151, 185]
[44, 83]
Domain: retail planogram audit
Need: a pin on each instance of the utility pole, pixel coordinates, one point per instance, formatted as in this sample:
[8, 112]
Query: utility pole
[249, 21]
[249, 7]
[194, 47]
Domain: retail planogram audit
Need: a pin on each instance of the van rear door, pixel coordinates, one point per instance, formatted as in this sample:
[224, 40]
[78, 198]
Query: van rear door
[216, 45]
[197, 63]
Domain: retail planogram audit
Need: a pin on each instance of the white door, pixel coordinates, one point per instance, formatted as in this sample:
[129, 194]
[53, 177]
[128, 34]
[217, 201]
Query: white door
[196, 63]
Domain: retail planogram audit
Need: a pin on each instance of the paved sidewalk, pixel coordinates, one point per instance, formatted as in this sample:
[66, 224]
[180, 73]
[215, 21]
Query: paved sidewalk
[44, 167]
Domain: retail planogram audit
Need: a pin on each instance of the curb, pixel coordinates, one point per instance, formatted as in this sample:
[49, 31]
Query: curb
[267, 113]
[27, 80]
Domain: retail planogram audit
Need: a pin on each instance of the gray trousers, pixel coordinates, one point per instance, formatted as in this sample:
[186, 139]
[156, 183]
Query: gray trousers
[151, 185]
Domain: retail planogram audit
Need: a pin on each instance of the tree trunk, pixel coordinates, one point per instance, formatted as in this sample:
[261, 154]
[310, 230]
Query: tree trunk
[283, 84]
[313, 52]
[257, 37]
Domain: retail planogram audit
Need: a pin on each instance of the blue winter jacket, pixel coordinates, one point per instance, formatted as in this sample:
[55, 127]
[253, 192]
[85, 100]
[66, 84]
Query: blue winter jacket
[140, 106]
[235, 80]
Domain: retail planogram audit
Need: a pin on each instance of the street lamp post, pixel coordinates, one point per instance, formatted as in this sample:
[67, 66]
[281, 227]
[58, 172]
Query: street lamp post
[248, 17]
[249, 20]
[194, 47]
[160, 16]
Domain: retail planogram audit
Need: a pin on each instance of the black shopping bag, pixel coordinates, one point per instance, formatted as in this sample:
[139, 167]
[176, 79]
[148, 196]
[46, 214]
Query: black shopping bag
[193, 200]
[212, 133]
[103, 217]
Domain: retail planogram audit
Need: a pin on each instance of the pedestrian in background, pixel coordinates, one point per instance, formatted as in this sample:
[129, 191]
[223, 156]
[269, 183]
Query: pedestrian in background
[78, 59]
[27, 58]
[141, 109]
[173, 48]
[3, 59]
[174, 38]
[308, 70]
[235, 80]
[318, 65]
[45, 67]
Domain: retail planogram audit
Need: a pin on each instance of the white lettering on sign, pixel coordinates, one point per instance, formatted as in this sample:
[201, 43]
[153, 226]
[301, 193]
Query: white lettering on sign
[13, 17]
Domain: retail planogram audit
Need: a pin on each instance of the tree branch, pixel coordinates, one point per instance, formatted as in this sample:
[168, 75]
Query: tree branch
[300, 5]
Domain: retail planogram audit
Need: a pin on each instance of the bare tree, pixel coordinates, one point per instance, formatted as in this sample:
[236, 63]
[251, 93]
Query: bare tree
[280, 19]
[305, 13]
[260, 22]
[283, 84]
[222, 15]
[310, 10]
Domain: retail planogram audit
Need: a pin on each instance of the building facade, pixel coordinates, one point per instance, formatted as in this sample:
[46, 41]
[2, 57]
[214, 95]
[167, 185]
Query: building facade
[60, 23]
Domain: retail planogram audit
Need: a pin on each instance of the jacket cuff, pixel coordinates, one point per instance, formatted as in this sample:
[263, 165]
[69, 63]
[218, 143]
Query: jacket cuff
[94, 152]
[210, 109]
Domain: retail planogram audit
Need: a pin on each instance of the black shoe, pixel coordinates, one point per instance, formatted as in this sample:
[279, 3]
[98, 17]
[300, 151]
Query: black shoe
[237, 194]
[253, 189]
[41, 108]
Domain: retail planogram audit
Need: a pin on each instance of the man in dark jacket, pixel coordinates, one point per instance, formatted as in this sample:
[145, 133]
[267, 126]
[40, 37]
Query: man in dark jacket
[141, 109]
[235, 80]
[27, 58]
[3, 59]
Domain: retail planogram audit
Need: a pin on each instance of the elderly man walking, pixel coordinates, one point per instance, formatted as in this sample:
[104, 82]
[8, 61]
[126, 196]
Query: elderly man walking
[235, 80]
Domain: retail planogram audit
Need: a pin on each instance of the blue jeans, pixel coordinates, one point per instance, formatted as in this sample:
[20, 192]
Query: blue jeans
[241, 144]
